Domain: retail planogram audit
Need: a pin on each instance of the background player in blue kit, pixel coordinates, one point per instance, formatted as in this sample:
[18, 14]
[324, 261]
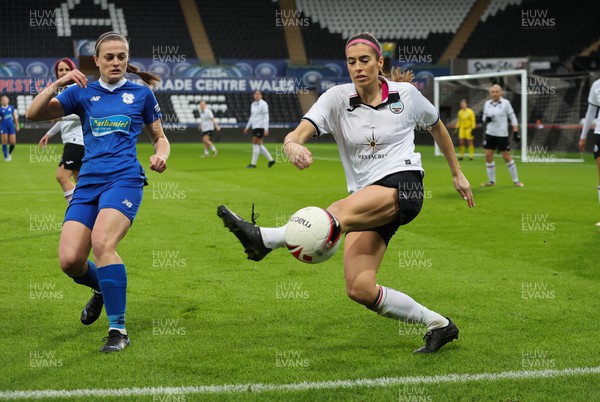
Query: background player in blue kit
[9, 126]
[109, 190]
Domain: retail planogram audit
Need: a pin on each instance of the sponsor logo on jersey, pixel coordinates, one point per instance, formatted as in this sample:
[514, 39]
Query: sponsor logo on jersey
[397, 107]
[373, 145]
[94, 99]
[128, 98]
[111, 124]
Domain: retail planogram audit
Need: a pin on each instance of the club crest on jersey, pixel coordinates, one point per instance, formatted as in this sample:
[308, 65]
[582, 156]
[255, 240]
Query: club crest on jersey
[397, 107]
[128, 98]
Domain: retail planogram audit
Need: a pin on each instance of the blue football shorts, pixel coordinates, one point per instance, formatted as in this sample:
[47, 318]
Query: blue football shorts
[88, 200]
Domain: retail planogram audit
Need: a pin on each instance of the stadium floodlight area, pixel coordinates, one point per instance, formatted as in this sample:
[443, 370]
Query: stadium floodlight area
[549, 109]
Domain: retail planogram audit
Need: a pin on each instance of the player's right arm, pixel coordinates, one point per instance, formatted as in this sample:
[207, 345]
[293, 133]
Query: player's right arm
[293, 146]
[55, 129]
[45, 106]
[592, 112]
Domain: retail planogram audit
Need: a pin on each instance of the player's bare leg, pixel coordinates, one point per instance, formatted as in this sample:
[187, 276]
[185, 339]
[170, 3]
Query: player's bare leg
[363, 253]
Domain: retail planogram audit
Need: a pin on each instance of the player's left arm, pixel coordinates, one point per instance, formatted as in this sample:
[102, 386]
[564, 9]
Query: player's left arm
[473, 123]
[16, 119]
[461, 184]
[592, 112]
[162, 148]
[266, 119]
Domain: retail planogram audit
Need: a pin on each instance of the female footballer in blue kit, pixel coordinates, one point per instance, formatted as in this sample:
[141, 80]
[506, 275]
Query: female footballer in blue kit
[9, 126]
[109, 190]
[372, 116]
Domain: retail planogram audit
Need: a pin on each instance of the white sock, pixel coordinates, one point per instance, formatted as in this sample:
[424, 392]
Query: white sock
[512, 169]
[273, 237]
[265, 152]
[122, 331]
[397, 305]
[598, 193]
[212, 148]
[205, 151]
[255, 152]
[68, 195]
[491, 171]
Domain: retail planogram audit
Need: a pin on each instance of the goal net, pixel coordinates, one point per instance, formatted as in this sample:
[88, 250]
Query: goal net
[549, 110]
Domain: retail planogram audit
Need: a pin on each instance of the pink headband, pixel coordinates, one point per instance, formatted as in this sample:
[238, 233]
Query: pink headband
[366, 42]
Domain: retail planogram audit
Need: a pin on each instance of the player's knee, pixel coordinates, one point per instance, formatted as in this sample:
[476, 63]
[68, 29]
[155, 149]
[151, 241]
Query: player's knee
[102, 246]
[362, 293]
[71, 262]
[336, 209]
[61, 176]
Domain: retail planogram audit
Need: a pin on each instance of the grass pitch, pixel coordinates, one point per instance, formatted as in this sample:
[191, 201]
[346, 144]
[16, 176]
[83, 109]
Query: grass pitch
[518, 274]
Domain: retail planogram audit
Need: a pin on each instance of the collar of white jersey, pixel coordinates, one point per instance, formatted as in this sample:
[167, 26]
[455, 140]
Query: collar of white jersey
[388, 97]
[112, 87]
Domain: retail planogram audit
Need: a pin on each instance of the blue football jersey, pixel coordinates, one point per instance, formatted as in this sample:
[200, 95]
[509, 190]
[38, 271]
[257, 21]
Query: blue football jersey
[111, 122]
[6, 113]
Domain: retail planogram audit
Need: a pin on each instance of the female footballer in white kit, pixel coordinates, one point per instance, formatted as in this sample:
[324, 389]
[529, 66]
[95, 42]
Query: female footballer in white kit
[496, 113]
[72, 137]
[373, 122]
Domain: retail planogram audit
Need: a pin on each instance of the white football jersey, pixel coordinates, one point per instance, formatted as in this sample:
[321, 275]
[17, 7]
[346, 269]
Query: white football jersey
[594, 100]
[373, 142]
[70, 130]
[500, 112]
[259, 115]
[206, 119]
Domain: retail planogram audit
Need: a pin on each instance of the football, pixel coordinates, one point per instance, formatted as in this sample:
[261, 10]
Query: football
[312, 235]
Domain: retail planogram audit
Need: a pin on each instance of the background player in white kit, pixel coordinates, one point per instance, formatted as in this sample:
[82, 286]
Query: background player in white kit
[591, 115]
[496, 113]
[259, 122]
[208, 124]
[373, 122]
[72, 137]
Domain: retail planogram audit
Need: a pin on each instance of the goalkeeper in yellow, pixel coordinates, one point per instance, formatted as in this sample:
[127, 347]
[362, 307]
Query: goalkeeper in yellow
[465, 126]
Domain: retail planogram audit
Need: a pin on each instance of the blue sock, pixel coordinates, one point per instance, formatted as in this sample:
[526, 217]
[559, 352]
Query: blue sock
[5, 150]
[113, 283]
[90, 279]
[11, 148]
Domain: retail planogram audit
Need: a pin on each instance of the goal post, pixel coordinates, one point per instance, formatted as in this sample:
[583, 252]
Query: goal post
[548, 109]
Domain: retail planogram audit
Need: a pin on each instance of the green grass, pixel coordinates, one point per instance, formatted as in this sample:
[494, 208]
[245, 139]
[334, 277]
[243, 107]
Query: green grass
[199, 313]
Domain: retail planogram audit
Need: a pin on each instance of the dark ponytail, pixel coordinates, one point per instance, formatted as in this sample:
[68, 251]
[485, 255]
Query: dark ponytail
[149, 78]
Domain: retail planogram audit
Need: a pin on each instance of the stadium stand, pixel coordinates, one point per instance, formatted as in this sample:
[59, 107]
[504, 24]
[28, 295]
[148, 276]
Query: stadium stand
[503, 33]
[243, 29]
[428, 25]
[44, 23]
[239, 29]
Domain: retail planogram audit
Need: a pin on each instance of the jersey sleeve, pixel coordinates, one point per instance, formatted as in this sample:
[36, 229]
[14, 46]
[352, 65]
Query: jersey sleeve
[472, 118]
[511, 115]
[69, 99]
[594, 96]
[266, 111]
[151, 111]
[322, 113]
[428, 115]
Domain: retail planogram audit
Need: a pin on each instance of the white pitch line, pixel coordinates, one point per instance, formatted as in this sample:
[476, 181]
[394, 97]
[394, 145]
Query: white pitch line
[301, 386]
